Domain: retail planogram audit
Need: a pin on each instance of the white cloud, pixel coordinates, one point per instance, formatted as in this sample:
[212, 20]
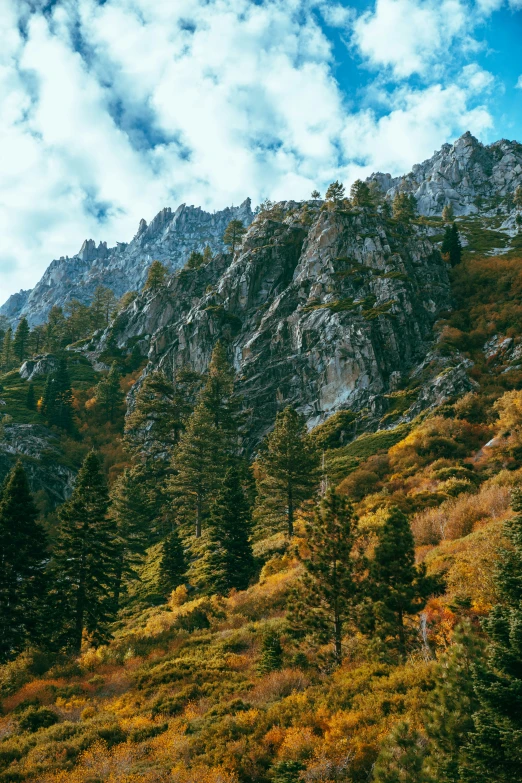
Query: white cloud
[110, 112]
[408, 36]
[519, 82]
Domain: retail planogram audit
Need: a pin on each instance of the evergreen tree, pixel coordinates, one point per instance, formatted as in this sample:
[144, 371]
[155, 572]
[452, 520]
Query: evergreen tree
[22, 561]
[271, 653]
[451, 247]
[218, 392]
[79, 322]
[360, 194]
[448, 216]
[325, 598]
[517, 197]
[404, 207]
[450, 706]
[37, 338]
[156, 277]
[30, 399]
[173, 564]
[55, 329]
[207, 254]
[85, 559]
[401, 757]
[494, 750]
[135, 513]
[233, 233]
[288, 471]
[160, 412]
[195, 260]
[228, 561]
[315, 195]
[21, 340]
[7, 350]
[57, 405]
[335, 192]
[108, 392]
[198, 467]
[399, 587]
[102, 307]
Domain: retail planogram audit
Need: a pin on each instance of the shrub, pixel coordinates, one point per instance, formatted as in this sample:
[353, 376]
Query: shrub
[35, 718]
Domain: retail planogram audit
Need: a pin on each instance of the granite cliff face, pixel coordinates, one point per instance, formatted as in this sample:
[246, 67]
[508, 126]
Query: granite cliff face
[323, 309]
[468, 175]
[170, 237]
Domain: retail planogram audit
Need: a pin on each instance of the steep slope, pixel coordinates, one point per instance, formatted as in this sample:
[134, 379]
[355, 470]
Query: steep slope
[323, 309]
[468, 175]
[169, 237]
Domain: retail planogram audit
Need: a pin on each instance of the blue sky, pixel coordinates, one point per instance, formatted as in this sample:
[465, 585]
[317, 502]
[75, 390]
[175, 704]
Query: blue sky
[111, 110]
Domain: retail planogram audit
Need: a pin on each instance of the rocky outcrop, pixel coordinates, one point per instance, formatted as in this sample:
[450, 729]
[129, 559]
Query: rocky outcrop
[37, 447]
[170, 237]
[40, 365]
[468, 175]
[326, 310]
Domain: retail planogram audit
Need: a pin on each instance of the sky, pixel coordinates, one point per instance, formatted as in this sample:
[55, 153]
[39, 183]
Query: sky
[111, 110]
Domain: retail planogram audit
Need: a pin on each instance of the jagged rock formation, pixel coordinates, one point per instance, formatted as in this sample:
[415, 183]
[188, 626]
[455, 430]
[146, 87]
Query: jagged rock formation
[170, 237]
[468, 175]
[327, 310]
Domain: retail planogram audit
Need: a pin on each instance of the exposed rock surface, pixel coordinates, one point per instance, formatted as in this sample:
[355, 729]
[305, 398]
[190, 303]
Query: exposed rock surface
[40, 365]
[466, 174]
[322, 309]
[36, 446]
[170, 237]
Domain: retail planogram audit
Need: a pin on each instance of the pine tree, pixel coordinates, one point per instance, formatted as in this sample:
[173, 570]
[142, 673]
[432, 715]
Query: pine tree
[207, 254]
[156, 277]
[401, 757]
[55, 329]
[78, 320]
[228, 561]
[517, 197]
[360, 194]
[399, 587]
[233, 234]
[173, 564]
[102, 307]
[450, 707]
[218, 392]
[21, 340]
[494, 750]
[325, 598]
[135, 513]
[57, 405]
[7, 350]
[288, 471]
[198, 466]
[451, 247]
[271, 653]
[404, 207]
[195, 260]
[315, 195]
[85, 559]
[22, 561]
[335, 192]
[108, 392]
[160, 412]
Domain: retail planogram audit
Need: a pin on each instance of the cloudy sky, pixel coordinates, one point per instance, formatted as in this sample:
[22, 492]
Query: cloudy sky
[113, 109]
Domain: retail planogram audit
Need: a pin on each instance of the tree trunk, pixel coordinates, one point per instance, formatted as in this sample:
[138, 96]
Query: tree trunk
[402, 638]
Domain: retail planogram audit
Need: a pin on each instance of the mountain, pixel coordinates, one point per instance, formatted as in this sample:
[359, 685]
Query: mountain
[170, 237]
[468, 175]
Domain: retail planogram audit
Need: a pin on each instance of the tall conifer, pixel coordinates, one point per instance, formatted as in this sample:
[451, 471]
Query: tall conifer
[288, 471]
[85, 558]
[21, 340]
[325, 598]
[228, 561]
[22, 561]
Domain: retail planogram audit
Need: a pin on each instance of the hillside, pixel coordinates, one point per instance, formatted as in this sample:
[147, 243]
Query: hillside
[340, 350]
